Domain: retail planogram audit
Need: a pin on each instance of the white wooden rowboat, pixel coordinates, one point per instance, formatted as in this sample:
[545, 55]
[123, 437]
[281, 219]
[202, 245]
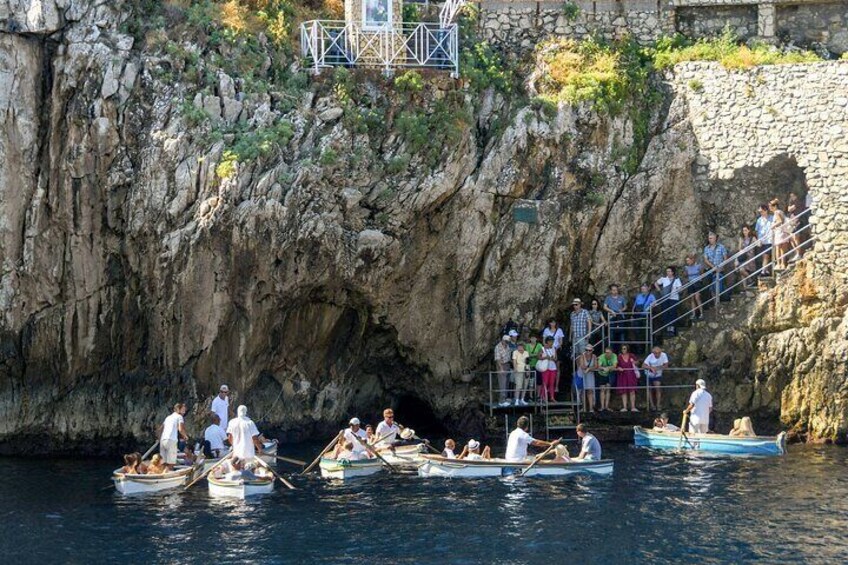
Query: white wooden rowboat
[126, 483]
[345, 469]
[404, 456]
[239, 487]
[438, 466]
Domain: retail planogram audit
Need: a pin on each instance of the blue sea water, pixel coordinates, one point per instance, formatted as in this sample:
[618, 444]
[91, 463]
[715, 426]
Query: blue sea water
[656, 508]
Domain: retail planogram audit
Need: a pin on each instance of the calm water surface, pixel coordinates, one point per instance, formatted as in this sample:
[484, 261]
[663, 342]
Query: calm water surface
[657, 508]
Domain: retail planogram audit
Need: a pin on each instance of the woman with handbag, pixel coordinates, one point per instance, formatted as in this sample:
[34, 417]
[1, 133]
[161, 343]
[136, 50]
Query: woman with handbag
[548, 362]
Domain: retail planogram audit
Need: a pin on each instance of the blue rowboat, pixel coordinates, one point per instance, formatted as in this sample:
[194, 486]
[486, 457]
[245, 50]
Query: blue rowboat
[711, 443]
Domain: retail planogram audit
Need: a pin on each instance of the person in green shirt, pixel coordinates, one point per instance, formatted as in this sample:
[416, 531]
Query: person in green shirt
[607, 365]
[534, 349]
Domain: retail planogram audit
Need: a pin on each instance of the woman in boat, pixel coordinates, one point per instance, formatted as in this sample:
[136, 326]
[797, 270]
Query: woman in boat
[628, 378]
[742, 427]
[471, 451]
[369, 433]
[132, 464]
[157, 465]
[188, 455]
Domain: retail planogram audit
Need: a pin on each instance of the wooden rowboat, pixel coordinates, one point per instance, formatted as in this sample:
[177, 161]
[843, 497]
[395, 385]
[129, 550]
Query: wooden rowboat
[239, 487]
[345, 469]
[405, 456]
[438, 466]
[710, 443]
[126, 483]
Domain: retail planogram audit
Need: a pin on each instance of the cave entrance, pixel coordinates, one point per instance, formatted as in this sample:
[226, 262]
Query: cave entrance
[416, 413]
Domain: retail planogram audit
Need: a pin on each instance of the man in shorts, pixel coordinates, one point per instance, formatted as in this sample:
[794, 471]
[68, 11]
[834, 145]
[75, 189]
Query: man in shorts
[654, 365]
[173, 428]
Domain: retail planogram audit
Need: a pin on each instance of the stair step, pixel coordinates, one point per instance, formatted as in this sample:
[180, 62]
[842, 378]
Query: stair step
[562, 427]
[560, 411]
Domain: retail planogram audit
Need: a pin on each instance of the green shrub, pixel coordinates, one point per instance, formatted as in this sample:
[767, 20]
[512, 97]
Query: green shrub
[397, 164]
[328, 157]
[193, 115]
[410, 81]
[570, 10]
[227, 165]
[696, 85]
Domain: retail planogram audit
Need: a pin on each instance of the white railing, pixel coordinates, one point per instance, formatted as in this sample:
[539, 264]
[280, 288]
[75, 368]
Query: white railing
[449, 10]
[397, 46]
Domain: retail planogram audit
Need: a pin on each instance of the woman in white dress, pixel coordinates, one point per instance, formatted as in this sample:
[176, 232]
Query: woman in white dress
[781, 228]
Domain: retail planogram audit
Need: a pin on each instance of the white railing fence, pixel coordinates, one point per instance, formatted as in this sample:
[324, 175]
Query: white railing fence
[327, 44]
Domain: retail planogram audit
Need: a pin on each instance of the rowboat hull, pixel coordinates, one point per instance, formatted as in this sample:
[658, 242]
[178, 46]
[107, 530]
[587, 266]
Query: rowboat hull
[344, 469]
[436, 466]
[140, 484]
[239, 488]
[405, 456]
[711, 443]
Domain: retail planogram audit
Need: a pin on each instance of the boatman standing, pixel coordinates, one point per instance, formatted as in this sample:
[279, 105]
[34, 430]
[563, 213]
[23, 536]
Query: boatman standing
[172, 430]
[700, 406]
[387, 430]
[221, 405]
[353, 432]
[243, 435]
[519, 439]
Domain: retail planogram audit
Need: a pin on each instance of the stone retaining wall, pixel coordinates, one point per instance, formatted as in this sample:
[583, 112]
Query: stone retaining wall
[517, 25]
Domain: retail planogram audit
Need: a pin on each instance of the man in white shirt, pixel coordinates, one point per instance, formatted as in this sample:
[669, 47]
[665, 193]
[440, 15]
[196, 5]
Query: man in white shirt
[216, 436]
[700, 406]
[221, 405]
[590, 447]
[666, 306]
[172, 430]
[519, 439]
[654, 365]
[387, 430]
[243, 436]
[353, 432]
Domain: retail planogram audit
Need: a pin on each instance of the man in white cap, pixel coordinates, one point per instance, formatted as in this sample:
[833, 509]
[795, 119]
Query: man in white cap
[355, 431]
[221, 405]
[700, 406]
[243, 435]
[503, 359]
[519, 439]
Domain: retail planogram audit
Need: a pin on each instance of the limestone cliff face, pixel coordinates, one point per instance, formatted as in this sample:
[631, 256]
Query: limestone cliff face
[134, 276]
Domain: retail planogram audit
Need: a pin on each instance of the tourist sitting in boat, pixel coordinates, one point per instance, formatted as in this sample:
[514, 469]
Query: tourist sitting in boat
[369, 433]
[743, 427]
[345, 450]
[387, 430]
[519, 440]
[157, 466]
[188, 456]
[407, 437]
[448, 451]
[590, 447]
[214, 437]
[561, 455]
[133, 464]
[661, 424]
[471, 451]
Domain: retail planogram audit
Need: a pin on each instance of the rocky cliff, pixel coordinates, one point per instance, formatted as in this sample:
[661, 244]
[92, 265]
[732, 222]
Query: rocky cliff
[349, 241]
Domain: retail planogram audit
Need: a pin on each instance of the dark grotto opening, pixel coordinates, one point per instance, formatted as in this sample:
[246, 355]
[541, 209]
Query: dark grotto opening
[416, 413]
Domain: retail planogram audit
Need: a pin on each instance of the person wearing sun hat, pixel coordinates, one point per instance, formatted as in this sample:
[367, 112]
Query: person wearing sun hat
[699, 408]
[472, 451]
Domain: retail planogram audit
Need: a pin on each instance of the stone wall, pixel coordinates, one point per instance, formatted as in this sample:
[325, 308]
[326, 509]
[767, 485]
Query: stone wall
[709, 21]
[519, 24]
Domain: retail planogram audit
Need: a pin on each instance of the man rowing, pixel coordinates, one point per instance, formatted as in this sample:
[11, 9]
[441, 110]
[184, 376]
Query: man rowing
[355, 431]
[699, 408]
[244, 436]
[519, 440]
[387, 430]
[173, 428]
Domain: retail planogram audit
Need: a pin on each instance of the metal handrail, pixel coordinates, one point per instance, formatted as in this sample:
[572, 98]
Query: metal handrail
[732, 258]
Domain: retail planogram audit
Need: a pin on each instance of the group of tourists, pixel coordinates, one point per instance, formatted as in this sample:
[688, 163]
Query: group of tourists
[226, 431]
[355, 442]
[520, 439]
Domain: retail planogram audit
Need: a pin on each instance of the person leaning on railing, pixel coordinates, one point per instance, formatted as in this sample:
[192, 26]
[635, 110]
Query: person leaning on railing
[503, 357]
[745, 260]
[765, 237]
[714, 255]
[669, 287]
[642, 304]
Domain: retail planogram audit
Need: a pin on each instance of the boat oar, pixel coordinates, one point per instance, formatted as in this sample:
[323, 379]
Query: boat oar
[273, 472]
[374, 452]
[291, 460]
[539, 457]
[212, 468]
[149, 451]
[320, 455]
[683, 431]
[425, 442]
